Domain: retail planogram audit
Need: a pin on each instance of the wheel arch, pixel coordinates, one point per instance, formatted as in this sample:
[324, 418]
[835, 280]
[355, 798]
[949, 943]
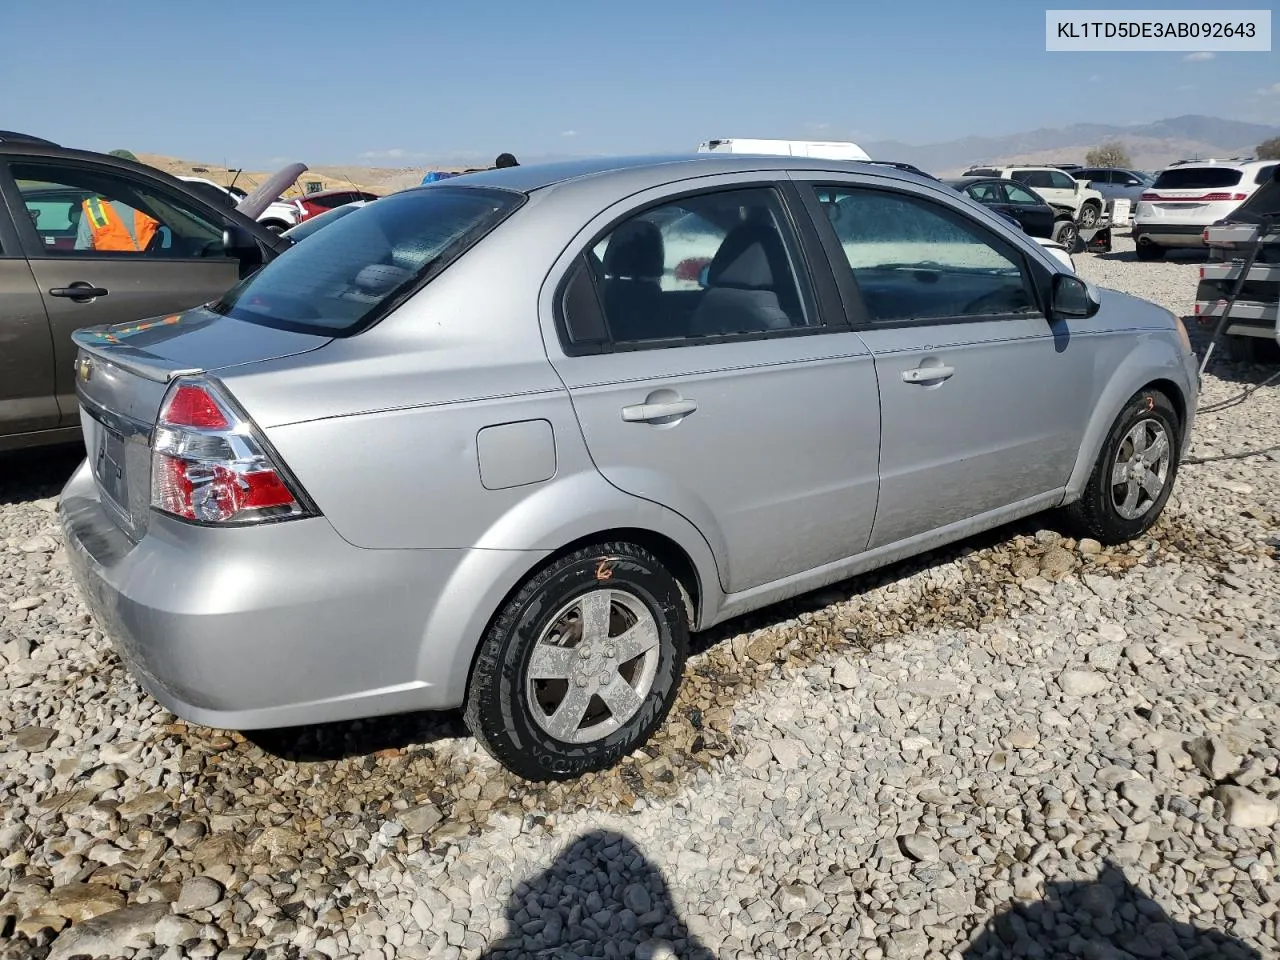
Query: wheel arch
[669, 552]
[1151, 365]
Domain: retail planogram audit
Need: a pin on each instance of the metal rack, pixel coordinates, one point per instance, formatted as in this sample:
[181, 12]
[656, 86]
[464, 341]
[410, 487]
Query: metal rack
[1252, 308]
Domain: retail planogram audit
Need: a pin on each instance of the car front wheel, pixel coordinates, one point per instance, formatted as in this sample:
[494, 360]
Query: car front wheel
[1089, 215]
[582, 665]
[1134, 473]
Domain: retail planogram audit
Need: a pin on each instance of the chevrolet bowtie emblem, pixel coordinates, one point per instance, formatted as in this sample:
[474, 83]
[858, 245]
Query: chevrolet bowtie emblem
[84, 369]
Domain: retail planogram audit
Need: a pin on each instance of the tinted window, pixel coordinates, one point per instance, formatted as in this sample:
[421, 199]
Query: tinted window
[336, 282]
[1033, 178]
[1196, 178]
[81, 210]
[1061, 181]
[917, 260]
[1017, 194]
[211, 193]
[712, 265]
[1264, 174]
[1099, 176]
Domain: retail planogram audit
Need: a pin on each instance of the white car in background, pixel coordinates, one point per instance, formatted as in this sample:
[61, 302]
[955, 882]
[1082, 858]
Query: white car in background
[822, 149]
[1188, 196]
[279, 216]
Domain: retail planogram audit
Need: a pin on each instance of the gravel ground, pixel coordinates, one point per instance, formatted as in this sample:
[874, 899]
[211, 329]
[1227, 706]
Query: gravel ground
[1022, 746]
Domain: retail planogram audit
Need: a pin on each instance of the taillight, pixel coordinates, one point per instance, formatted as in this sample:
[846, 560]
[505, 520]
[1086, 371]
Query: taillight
[210, 465]
[1148, 196]
[1218, 197]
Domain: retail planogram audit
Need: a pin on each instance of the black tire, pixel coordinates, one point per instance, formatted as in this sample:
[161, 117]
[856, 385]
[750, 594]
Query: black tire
[500, 712]
[1096, 514]
[1149, 251]
[1089, 215]
[1065, 233]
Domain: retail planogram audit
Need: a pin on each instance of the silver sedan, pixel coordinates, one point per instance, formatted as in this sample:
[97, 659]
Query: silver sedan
[501, 443]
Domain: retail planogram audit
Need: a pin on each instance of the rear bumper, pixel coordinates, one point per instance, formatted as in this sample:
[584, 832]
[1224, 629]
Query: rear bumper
[277, 625]
[1170, 234]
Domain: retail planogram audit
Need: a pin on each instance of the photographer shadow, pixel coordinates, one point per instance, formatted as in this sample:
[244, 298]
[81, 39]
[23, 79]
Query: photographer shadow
[1103, 919]
[601, 898]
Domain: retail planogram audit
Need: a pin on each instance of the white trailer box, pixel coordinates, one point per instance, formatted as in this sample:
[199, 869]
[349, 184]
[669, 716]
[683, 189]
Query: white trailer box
[822, 149]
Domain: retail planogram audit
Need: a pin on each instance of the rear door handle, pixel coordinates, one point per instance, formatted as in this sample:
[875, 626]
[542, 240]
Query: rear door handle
[645, 412]
[927, 374]
[78, 291]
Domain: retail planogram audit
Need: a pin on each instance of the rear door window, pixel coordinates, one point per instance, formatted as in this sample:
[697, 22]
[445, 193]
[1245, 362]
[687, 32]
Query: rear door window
[718, 264]
[1017, 194]
[1265, 174]
[1196, 178]
[1032, 178]
[343, 277]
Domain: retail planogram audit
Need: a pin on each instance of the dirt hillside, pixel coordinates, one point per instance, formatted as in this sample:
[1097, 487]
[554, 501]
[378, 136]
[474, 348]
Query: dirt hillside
[379, 180]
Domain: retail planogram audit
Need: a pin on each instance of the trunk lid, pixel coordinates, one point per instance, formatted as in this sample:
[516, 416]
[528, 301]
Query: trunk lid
[123, 372]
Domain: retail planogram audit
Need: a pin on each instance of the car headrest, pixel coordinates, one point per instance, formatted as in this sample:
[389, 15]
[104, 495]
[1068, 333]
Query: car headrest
[752, 256]
[636, 251]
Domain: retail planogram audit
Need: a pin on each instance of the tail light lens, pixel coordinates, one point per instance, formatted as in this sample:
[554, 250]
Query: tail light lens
[1148, 195]
[210, 465]
[1217, 197]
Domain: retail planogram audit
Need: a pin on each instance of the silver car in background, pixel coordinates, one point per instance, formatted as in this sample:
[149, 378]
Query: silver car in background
[503, 444]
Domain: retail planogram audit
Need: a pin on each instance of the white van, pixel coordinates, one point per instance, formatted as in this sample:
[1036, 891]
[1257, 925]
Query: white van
[823, 149]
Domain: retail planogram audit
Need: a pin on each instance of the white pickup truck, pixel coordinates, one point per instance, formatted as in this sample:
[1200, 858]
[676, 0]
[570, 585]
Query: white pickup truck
[279, 216]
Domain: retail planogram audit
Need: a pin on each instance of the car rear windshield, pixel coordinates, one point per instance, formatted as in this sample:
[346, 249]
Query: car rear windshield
[357, 269]
[1196, 178]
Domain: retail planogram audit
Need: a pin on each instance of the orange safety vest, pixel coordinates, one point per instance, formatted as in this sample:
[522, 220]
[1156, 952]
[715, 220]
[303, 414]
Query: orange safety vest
[109, 233]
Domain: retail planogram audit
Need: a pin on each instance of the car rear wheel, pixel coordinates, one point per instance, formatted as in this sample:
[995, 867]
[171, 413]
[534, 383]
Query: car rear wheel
[1149, 251]
[1089, 214]
[1134, 473]
[582, 665]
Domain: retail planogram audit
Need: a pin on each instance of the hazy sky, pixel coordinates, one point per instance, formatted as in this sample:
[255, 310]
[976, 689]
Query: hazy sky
[410, 81]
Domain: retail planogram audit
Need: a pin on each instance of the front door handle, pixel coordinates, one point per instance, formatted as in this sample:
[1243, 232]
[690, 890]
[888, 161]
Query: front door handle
[79, 291]
[927, 374]
[647, 412]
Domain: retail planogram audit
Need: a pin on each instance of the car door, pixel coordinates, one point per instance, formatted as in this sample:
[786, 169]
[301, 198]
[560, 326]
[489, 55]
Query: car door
[27, 402]
[977, 387]
[1033, 213]
[708, 360]
[185, 264]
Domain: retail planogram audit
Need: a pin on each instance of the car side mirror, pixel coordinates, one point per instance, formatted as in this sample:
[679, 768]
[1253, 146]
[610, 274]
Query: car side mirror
[1073, 298]
[239, 244]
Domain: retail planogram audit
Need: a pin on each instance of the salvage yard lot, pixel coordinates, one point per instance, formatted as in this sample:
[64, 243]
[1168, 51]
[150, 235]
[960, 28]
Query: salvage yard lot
[880, 770]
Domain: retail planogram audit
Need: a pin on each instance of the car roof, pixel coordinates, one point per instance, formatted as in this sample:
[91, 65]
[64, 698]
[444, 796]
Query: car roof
[659, 168]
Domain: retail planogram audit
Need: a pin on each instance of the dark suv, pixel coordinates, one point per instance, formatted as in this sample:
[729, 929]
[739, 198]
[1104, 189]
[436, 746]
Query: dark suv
[52, 283]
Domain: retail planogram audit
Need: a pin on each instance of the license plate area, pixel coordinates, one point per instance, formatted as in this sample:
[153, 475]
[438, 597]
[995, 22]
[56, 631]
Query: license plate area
[110, 466]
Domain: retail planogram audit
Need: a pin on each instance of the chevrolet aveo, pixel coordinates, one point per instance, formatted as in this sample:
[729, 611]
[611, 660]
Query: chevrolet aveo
[502, 442]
